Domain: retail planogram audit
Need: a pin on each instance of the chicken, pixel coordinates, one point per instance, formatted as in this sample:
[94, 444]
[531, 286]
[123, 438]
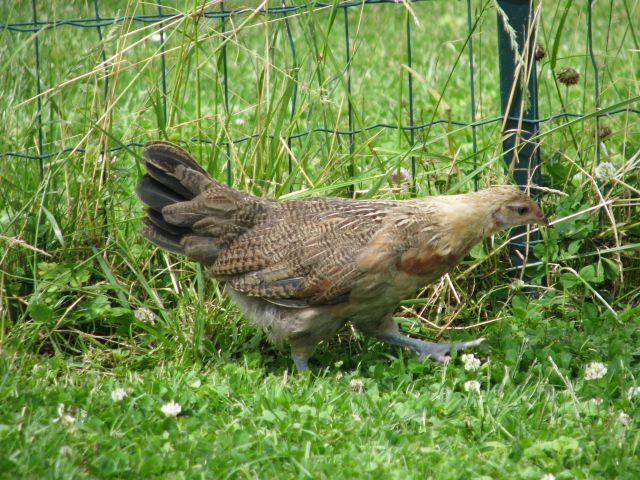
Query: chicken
[301, 269]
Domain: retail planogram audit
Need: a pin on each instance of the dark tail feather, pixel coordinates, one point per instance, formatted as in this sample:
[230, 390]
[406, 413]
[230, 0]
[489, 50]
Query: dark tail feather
[162, 238]
[157, 220]
[170, 182]
[156, 195]
[167, 155]
[174, 168]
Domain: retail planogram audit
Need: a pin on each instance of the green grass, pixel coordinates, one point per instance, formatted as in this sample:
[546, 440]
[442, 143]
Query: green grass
[87, 306]
[240, 420]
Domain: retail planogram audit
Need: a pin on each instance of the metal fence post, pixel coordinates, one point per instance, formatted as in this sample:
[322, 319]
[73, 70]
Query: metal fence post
[519, 103]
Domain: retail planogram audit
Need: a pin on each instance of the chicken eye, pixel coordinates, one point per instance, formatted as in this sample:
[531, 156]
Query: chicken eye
[519, 210]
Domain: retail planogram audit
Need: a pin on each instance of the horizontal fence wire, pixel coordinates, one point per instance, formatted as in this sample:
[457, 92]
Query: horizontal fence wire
[98, 22]
[93, 22]
[356, 131]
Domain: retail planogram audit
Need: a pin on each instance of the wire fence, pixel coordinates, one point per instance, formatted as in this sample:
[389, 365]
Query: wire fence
[516, 20]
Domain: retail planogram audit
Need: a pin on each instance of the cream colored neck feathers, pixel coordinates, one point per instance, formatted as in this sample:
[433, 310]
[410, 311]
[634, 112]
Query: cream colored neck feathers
[470, 217]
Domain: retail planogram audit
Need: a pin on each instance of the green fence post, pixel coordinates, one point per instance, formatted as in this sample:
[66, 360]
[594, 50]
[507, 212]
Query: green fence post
[519, 103]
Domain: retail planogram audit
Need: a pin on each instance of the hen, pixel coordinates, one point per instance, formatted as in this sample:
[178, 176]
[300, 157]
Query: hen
[301, 269]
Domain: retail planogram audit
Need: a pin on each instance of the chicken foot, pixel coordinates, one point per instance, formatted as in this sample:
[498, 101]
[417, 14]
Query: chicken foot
[436, 351]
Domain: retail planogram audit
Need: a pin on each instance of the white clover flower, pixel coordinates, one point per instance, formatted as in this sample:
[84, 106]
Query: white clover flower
[171, 409]
[472, 386]
[605, 171]
[548, 476]
[118, 394]
[64, 418]
[623, 418]
[145, 315]
[595, 370]
[633, 392]
[596, 401]
[356, 385]
[470, 361]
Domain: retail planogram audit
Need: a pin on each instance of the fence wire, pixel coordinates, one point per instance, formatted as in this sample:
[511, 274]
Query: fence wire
[38, 26]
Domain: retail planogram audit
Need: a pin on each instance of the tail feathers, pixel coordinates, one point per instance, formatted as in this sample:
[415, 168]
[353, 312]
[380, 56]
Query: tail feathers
[188, 213]
[173, 167]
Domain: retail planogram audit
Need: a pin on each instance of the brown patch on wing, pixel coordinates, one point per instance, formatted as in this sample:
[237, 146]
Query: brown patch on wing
[422, 262]
[318, 288]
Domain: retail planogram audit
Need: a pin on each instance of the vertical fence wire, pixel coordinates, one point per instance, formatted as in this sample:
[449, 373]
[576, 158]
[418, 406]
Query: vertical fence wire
[348, 59]
[226, 88]
[595, 79]
[412, 134]
[36, 45]
[473, 98]
[163, 72]
[351, 168]
[534, 109]
[292, 47]
[103, 55]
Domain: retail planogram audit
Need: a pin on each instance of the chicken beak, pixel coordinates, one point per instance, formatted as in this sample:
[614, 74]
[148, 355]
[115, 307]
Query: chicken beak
[543, 221]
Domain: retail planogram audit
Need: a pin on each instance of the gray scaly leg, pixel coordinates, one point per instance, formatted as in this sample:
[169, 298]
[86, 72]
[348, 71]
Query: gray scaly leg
[437, 351]
[302, 363]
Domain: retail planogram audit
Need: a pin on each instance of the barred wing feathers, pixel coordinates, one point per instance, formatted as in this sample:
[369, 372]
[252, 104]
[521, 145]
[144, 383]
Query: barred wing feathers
[305, 251]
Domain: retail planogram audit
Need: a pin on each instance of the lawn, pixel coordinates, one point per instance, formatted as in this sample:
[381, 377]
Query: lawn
[119, 360]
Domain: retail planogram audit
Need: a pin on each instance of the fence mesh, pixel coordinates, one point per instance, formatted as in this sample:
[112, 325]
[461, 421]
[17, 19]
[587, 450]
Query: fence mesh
[168, 38]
